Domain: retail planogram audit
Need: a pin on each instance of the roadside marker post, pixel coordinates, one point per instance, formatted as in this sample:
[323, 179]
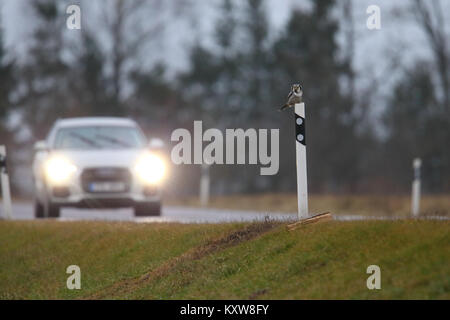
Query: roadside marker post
[302, 182]
[204, 184]
[415, 197]
[4, 181]
[304, 217]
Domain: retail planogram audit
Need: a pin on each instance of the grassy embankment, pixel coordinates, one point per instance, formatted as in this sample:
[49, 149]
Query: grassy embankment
[171, 261]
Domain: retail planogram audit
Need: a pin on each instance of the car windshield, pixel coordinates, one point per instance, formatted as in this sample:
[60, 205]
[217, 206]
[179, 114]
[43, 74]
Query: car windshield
[99, 137]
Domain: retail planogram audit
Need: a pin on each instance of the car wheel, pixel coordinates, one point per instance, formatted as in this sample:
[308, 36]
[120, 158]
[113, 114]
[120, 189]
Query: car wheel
[147, 209]
[53, 210]
[38, 210]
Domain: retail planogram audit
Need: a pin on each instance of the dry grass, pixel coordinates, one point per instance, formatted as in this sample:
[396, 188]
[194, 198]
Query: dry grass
[337, 204]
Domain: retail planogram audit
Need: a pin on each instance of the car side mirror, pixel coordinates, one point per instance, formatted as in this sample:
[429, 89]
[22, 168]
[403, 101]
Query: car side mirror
[156, 143]
[40, 146]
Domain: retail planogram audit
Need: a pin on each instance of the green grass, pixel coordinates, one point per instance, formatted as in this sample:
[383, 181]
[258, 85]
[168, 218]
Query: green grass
[225, 261]
[34, 255]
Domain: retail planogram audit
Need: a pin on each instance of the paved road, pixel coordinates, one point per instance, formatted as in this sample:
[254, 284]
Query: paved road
[24, 211]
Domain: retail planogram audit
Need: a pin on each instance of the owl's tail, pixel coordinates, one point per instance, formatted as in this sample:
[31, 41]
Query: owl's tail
[284, 107]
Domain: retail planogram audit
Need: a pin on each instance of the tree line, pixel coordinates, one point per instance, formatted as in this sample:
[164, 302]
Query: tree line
[238, 80]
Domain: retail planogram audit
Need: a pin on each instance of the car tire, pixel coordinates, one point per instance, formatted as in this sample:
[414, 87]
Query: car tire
[53, 211]
[38, 210]
[152, 209]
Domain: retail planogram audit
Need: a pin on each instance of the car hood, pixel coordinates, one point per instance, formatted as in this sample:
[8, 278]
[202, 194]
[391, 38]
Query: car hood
[102, 158]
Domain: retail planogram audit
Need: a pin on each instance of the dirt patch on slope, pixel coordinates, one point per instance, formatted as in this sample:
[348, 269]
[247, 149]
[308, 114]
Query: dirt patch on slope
[129, 285]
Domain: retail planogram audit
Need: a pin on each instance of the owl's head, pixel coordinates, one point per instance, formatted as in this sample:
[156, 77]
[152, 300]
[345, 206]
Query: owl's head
[297, 88]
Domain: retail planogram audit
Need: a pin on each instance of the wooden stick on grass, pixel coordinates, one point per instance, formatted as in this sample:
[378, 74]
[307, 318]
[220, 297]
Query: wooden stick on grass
[326, 216]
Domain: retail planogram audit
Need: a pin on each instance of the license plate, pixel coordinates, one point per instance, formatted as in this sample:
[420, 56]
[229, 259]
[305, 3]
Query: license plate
[107, 186]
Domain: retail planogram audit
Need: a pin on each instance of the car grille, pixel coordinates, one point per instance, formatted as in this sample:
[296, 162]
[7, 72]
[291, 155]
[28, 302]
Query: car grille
[90, 176]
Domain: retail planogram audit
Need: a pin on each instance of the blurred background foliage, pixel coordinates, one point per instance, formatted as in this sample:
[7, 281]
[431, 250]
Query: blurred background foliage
[237, 80]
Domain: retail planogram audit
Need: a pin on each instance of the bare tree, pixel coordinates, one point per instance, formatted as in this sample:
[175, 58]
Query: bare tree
[348, 26]
[129, 30]
[430, 18]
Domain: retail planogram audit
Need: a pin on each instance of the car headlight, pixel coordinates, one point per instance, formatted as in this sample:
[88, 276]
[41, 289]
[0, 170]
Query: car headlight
[58, 170]
[150, 168]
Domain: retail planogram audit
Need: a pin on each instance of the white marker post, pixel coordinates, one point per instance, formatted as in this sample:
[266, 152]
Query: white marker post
[302, 182]
[5, 184]
[415, 199]
[204, 185]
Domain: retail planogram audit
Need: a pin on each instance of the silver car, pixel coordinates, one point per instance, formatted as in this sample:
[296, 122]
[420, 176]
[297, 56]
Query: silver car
[97, 162]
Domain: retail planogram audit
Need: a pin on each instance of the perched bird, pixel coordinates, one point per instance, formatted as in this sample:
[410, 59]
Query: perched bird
[295, 96]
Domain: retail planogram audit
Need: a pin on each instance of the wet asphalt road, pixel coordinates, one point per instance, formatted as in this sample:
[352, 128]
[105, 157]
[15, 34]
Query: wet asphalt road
[24, 211]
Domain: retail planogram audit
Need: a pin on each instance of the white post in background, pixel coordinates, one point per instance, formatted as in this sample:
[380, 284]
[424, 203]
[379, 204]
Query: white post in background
[204, 185]
[6, 195]
[302, 182]
[415, 199]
